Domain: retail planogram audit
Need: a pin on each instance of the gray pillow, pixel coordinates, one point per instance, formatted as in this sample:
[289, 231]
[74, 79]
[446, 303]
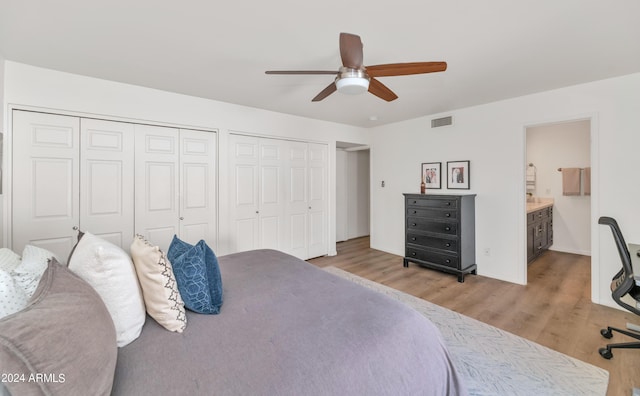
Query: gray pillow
[62, 343]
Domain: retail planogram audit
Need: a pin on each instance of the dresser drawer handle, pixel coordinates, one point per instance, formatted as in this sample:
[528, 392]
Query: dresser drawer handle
[448, 203]
[415, 202]
[415, 211]
[447, 244]
[413, 224]
[413, 253]
[413, 238]
[447, 228]
[447, 215]
[448, 261]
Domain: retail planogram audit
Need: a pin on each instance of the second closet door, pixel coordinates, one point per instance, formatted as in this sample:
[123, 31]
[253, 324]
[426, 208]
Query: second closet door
[175, 185]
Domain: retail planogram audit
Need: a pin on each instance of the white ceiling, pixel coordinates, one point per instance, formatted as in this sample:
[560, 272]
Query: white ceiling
[495, 49]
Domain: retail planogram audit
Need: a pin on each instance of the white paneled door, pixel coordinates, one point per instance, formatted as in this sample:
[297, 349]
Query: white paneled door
[111, 179]
[106, 180]
[243, 190]
[175, 185]
[317, 200]
[156, 184]
[45, 185]
[278, 195]
[198, 186]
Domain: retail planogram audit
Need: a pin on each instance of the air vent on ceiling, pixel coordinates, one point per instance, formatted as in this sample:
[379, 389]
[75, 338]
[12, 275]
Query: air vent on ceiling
[440, 122]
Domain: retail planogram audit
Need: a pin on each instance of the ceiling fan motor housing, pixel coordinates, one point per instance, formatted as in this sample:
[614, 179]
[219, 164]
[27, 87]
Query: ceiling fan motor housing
[352, 81]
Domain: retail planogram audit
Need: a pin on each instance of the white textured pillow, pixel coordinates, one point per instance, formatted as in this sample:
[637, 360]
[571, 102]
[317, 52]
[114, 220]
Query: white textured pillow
[28, 273]
[12, 297]
[159, 288]
[8, 260]
[110, 271]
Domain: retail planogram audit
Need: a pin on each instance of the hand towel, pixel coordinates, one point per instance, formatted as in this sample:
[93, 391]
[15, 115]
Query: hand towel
[586, 186]
[570, 181]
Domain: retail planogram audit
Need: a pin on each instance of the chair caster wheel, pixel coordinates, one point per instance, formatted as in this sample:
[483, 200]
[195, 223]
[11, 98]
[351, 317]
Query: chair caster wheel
[606, 333]
[605, 353]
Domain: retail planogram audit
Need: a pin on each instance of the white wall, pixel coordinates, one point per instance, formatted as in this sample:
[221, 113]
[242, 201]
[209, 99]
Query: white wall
[342, 196]
[492, 137]
[358, 191]
[3, 129]
[352, 190]
[563, 145]
[36, 87]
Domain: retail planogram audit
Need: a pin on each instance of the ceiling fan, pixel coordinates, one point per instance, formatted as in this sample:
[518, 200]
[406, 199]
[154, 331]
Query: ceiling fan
[354, 78]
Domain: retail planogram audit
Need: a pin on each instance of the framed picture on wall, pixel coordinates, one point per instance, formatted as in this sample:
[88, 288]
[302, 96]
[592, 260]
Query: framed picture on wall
[431, 174]
[458, 175]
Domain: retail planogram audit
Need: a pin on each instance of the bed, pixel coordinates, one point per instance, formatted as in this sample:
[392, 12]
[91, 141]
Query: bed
[290, 328]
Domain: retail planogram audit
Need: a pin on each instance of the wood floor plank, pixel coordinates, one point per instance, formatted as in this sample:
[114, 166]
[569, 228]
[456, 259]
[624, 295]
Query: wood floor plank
[554, 309]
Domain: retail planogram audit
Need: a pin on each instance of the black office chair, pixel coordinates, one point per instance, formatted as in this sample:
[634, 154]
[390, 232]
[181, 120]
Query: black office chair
[621, 285]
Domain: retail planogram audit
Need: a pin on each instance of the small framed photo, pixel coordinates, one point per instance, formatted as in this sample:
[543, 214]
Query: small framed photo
[431, 174]
[458, 175]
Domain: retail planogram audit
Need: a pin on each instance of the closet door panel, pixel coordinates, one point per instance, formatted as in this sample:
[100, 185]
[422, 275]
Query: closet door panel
[318, 200]
[156, 184]
[106, 180]
[244, 190]
[271, 194]
[296, 200]
[198, 186]
[45, 182]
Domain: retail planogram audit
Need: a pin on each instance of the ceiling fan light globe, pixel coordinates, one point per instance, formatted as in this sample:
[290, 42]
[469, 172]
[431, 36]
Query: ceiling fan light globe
[352, 85]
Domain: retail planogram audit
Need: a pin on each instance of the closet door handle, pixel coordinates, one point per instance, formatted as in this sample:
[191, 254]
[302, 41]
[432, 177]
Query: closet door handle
[75, 228]
[181, 218]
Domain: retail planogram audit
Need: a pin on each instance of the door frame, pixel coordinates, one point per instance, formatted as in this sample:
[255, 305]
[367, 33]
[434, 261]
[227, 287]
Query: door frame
[595, 184]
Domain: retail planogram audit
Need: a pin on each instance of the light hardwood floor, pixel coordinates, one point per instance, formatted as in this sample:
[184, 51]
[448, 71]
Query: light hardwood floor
[554, 309]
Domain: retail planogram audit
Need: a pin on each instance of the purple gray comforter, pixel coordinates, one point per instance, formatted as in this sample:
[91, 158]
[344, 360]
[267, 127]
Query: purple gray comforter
[289, 328]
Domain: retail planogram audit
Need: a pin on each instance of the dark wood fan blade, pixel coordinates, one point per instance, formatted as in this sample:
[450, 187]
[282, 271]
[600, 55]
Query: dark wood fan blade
[380, 90]
[300, 72]
[405, 69]
[331, 88]
[351, 50]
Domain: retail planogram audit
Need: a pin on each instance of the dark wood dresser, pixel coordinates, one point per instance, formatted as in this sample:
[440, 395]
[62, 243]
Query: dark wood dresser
[440, 232]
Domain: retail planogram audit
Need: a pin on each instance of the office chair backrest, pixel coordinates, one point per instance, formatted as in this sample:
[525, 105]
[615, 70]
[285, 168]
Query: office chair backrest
[623, 282]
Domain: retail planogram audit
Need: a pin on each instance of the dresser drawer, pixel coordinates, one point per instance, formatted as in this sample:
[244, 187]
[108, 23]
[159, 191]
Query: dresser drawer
[440, 227]
[433, 242]
[432, 257]
[432, 203]
[432, 213]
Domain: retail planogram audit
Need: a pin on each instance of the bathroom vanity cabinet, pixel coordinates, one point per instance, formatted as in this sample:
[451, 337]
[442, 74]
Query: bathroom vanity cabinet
[539, 230]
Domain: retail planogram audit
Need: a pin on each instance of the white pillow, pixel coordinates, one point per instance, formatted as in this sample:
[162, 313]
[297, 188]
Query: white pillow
[8, 260]
[12, 297]
[159, 288]
[110, 271]
[28, 273]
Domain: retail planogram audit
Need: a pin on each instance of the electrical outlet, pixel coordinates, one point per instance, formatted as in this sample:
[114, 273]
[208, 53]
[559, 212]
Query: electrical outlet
[487, 252]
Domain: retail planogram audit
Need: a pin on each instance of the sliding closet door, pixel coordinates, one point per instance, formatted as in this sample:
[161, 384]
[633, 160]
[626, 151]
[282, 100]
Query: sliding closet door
[318, 200]
[198, 186]
[45, 182]
[156, 184]
[243, 201]
[106, 180]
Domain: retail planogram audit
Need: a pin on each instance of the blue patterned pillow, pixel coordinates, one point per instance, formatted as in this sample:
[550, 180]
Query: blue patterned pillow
[197, 275]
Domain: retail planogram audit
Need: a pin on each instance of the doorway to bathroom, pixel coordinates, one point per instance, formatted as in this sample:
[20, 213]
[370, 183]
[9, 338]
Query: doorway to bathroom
[558, 163]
